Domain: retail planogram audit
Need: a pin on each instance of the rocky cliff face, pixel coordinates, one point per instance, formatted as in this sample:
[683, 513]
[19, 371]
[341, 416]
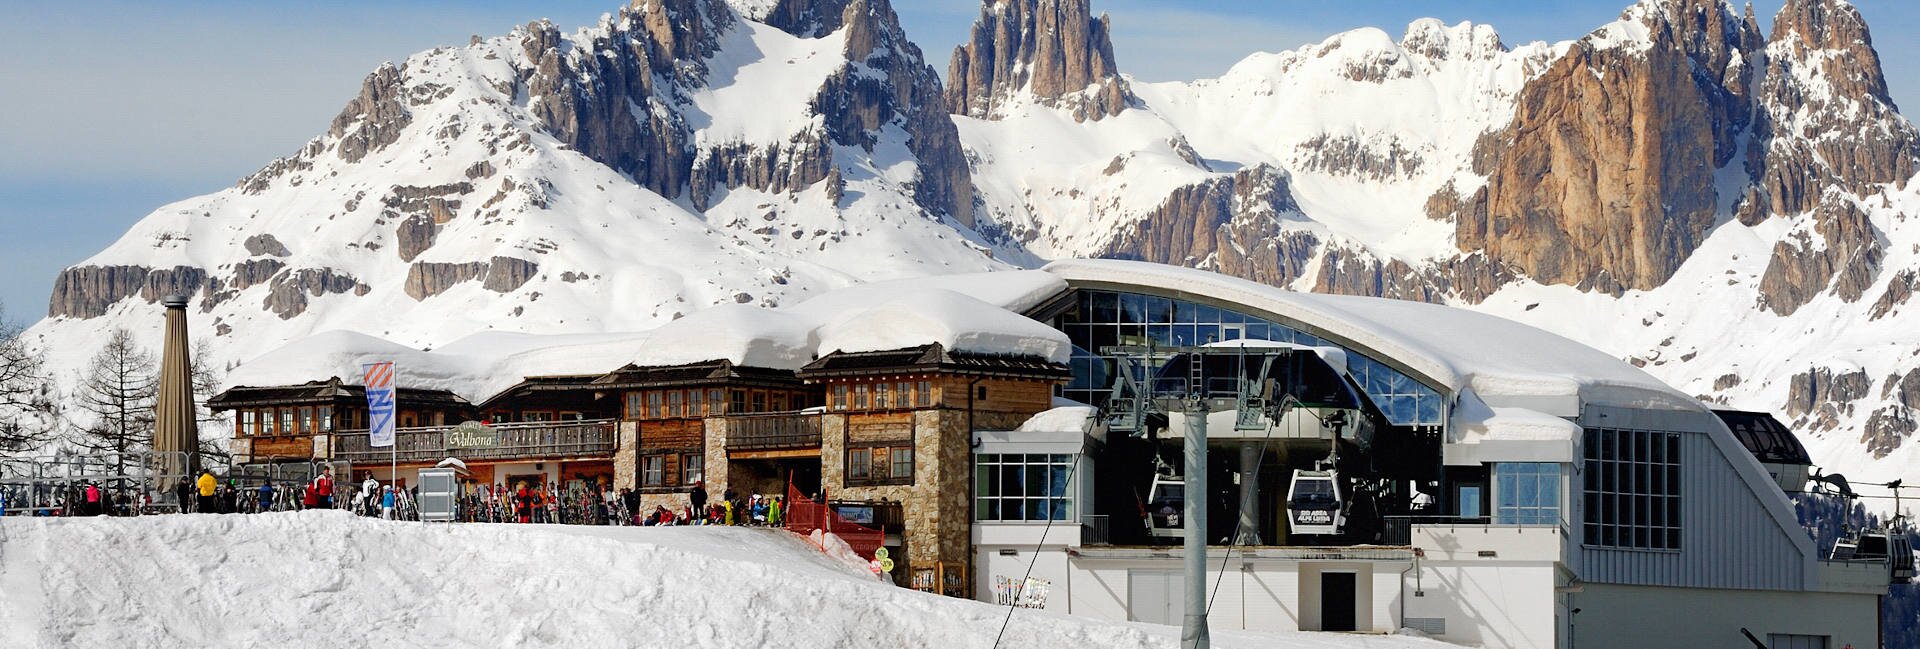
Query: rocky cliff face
[1605, 178]
[1050, 51]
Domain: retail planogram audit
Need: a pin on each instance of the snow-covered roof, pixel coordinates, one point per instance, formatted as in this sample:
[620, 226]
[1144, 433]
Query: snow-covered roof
[977, 312]
[1456, 348]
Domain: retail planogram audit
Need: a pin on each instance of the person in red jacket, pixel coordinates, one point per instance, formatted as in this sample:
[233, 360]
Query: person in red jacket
[93, 500]
[323, 489]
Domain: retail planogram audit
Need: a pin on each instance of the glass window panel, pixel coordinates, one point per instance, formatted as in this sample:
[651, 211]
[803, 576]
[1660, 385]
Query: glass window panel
[1206, 333]
[1160, 335]
[1258, 332]
[1185, 312]
[1159, 310]
[1102, 306]
[1184, 335]
[1033, 506]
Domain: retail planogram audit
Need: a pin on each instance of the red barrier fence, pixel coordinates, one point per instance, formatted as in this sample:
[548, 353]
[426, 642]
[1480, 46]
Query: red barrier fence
[804, 515]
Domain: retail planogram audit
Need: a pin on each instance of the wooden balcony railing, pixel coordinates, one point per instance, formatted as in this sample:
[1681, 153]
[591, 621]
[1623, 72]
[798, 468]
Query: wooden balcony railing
[516, 441]
[786, 430]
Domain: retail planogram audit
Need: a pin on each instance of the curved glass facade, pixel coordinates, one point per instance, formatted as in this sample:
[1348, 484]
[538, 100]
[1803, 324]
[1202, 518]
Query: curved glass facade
[1103, 319]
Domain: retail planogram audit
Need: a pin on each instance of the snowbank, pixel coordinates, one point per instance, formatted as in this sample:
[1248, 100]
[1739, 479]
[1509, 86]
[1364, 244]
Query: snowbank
[327, 579]
[954, 320]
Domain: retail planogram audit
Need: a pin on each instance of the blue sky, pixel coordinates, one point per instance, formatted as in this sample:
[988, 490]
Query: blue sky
[115, 108]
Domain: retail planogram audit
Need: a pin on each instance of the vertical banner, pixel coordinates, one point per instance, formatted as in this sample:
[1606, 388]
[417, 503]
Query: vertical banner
[380, 405]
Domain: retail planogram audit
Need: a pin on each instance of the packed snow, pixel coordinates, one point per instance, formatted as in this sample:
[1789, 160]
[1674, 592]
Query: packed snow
[329, 579]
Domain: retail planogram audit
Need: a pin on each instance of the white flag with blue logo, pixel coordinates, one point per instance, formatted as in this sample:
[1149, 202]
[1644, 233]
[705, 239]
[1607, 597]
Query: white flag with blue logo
[380, 403]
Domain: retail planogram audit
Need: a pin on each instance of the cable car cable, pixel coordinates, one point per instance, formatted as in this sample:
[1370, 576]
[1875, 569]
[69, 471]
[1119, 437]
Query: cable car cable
[1021, 590]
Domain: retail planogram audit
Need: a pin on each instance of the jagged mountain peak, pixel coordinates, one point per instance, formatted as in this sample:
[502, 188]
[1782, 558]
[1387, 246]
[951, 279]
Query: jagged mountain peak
[1051, 52]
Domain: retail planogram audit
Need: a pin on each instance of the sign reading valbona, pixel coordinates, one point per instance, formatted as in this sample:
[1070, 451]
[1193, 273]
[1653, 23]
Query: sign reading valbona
[472, 434]
[379, 381]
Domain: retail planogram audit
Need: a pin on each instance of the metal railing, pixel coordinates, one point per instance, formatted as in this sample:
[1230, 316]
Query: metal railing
[523, 440]
[773, 431]
[1093, 530]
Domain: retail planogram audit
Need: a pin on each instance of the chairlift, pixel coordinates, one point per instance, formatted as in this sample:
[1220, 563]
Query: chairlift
[1315, 505]
[1887, 543]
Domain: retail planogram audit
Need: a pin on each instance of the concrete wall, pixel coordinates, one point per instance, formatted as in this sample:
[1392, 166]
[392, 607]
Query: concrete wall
[1253, 595]
[1494, 604]
[1654, 617]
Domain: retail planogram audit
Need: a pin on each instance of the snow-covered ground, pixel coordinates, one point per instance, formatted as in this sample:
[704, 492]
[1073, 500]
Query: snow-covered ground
[328, 579]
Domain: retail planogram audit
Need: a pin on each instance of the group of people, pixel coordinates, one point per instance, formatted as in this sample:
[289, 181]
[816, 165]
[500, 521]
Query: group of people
[209, 495]
[584, 502]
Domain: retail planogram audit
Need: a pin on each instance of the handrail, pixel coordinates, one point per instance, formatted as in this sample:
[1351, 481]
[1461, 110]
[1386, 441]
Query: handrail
[779, 430]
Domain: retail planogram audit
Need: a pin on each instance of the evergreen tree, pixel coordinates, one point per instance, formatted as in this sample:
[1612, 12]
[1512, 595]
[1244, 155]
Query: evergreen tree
[26, 401]
[118, 391]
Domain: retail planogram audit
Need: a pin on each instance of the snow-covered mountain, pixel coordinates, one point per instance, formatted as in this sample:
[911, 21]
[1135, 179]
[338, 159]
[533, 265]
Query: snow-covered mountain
[1728, 208]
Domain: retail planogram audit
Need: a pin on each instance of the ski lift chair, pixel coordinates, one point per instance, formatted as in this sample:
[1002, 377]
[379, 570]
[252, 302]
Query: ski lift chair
[1315, 505]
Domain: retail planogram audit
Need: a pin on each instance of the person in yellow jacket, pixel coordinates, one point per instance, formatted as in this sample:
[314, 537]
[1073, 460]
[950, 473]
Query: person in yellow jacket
[206, 485]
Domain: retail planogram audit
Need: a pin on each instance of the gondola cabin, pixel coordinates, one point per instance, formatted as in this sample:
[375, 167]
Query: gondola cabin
[1314, 503]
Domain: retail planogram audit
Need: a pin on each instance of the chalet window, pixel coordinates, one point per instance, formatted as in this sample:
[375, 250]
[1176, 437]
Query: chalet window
[902, 395]
[882, 396]
[653, 470]
[716, 401]
[839, 398]
[249, 423]
[880, 465]
[860, 397]
[634, 408]
[408, 419]
[923, 394]
[859, 465]
[537, 415]
[696, 403]
[306, 420]
[759, 401]
[573, 416]
[326, 419]
[980, 393]
[674, 405]
[653, 405]
[737, 401]
[778, 401]
[693, 468]
[286, 421]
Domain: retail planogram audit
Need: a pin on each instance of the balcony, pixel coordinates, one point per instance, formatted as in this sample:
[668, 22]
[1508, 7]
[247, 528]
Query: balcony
[771, 432]
[537, 440]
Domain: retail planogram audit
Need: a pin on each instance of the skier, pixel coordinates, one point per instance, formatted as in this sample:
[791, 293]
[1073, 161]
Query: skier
[386, 504]
[206, 485]
[323, 489]
[523, 504]
[699, 497]
[93, 498]
[777, 511]
[266, 495]
[759, 510]
[230, 502]
[181, 490]
[368, 490]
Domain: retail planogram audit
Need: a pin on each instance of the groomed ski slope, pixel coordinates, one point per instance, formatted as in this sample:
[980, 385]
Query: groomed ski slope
[328, 579]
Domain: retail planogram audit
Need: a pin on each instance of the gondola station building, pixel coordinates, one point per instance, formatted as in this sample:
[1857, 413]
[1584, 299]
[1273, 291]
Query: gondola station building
[1374, 464]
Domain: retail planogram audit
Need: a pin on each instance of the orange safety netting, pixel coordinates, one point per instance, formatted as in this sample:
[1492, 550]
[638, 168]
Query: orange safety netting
[805, 515]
